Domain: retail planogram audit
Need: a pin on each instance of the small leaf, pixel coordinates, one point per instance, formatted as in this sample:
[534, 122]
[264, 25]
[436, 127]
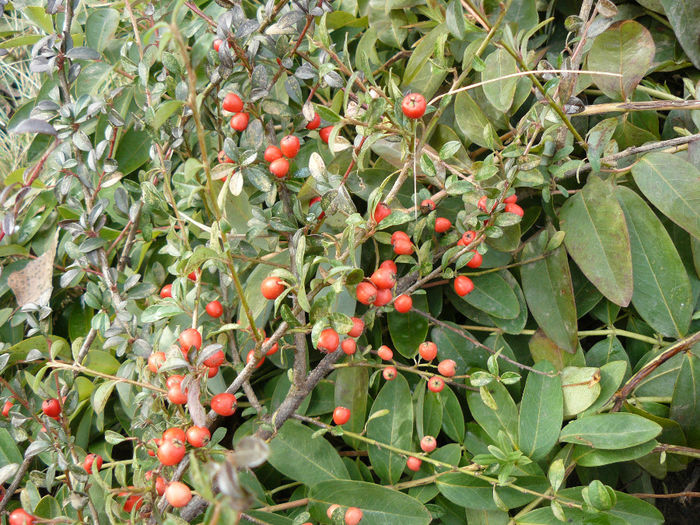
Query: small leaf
[32, 125]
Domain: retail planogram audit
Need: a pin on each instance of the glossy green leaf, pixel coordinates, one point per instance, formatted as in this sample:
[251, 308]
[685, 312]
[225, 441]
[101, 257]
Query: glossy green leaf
[597, 239]
[300, 456]
[673, 186]
[452, 415]
[9, 452]
[410, 329]
[610, 431]
[461, 350]
[504, 418]
[684, 16]
[541, 412]
[611, 376]
[474, 493]
[351, 392]
[626, 48]
[380, 505]
[493, 295]
[428, 411]
[549, 292]
[581, 387]
[662, 294]
[395, 429]
[544, 349]
[590, 457]
[685, 404]
[500, 94]
[473, 123]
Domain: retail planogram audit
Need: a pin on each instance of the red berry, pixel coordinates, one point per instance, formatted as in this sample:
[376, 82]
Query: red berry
[384, 297]
[403, 247]
[399, 235]
[279, 168]
[192, 276]
[413, 105]
[358, 326]
[289, 146]
[20, 517]
[178, 494]
[188, 339]
[6, 408]
[216, 359]
[436, 384]
[272, 153]
[446, 367]
[224, 404]
[273, 349]
[463, 285]
[389, 265]
[315, 122]
[414, 463]
[385, 353]
[240, 121]
[511, 199]
[403, 303]
[383, 278]
[514, 208]
[250, 358]
[341, 415]
[216, 45]
[134, 501]
[224, 159]
[173, 380]
[389, 373]
[92, 461]
[155, 361]
[467, 238]
[442, 224]
[198, 436]
[166, 291]
[349, 346]
[214, 309]
[428, 350]
[176, 396]
[325, 133]
[353, 516]
[213, 370]
[161, 484]
[51, 407]
[272, 287]
[232, 103]
[171, 452]
[328, 340]
[381, 212]
[475, 261]
[427, 205]
[428, 444]
[366, 293]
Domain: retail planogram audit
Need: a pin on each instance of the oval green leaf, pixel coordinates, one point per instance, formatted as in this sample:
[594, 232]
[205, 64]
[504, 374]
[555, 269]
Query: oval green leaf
[410, 329]
[610, 431]
[541, 412]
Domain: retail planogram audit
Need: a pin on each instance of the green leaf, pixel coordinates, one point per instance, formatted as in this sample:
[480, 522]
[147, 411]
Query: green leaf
[298, 456]
[610, 431]
[462, 351]
[351, 392]
[422, 53]
[581, 387]
[626, 48]
[611, 376]
[662, 294]
[9, 452]
[493, 295]
[504, 418]
[455, 20]
[541, 412]
[598, 138]
[428, 411]
[157, 312]
[410, 329]
[673, 186]
[101, 395]
[395, 429]
[474, 493]
[452, 415]
[597, 239]
[100, 27]
[684, 16]
[500, 94]
[132, 151]
[590, 457]
[549, 292]
[473, 123]
[685, 404]
[379, 504]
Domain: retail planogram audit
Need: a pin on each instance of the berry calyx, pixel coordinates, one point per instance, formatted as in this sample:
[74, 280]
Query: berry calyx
[353, 516]
[381, 212]
[178, 494]
[413, 105]
[315, 122]
[413, 463]
[92, 461]
[389, 373]
[341, 415]
[166, 291]
[224, 159]
[358, 326]
[427, 205]
[446, 367]
[442, 225]
[385, 353]
[349, 346]
[366, 293]
[467, 237]
[463, 285]
[272, 153]
[232, 103]
[428, 350]
[224, 404]
[428, 444]
[272, 287]
[476, 260]
[198, 436]
[289, 146]
[436, 384]
[214, 309]
[328, 340]
[51, 407]
[239, 121]
[403, 303]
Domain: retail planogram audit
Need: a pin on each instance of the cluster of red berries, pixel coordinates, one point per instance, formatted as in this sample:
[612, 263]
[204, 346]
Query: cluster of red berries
[510, 202]
[352, 516]
[377, 290]
[233, 104]
[278, 157]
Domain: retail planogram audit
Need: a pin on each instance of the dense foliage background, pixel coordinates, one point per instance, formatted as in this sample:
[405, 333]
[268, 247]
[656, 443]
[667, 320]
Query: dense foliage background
[577, 354]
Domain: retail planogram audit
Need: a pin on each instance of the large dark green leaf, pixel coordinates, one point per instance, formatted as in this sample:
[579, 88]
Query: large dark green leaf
[351, 392]
[503, 418]
[610, 431]
[684, 16]
[298, 455]
[428, 411]
[673, 186]
[474, 493]
[132, 150]
[541, 412]
[626, 48]
[394, 428]
[662, 294]
[597, 239]
[550, 293]
[452, 415]
[462, 351]
[500, 93]
[410, 329]
[380, 505]
[493, 295]
[473, 123]
[685, 404]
